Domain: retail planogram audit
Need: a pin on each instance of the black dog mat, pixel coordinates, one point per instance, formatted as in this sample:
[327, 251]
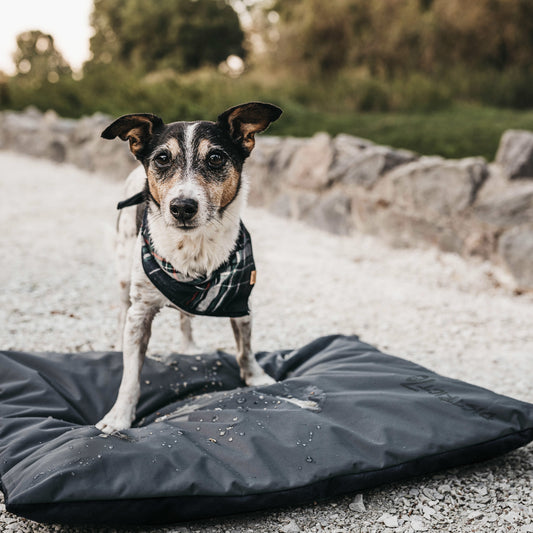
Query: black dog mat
[343, 417]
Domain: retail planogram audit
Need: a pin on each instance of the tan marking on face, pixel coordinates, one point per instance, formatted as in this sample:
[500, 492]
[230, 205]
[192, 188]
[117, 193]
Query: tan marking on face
[229, 188]
[204, 147]
[173, 146]
[159, 188]
[221, 194]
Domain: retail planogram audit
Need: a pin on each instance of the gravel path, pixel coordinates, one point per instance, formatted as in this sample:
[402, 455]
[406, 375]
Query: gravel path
[58, 293]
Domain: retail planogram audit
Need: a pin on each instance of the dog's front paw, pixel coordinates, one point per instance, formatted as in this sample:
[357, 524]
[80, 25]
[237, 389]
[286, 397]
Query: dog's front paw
[116, 420]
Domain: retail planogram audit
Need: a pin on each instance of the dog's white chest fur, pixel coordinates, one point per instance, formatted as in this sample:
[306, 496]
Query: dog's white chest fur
[203, 250]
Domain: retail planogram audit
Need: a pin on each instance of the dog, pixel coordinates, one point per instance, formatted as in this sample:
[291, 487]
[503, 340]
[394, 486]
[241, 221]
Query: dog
[185, 246]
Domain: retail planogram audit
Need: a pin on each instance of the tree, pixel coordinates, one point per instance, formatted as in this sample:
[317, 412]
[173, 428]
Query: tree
[179, 34]
[37, 60]
[315, 36]
[393, 38]
[490, 33]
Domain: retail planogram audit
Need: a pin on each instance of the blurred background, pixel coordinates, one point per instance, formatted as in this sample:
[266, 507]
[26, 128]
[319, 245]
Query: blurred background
[434, 76]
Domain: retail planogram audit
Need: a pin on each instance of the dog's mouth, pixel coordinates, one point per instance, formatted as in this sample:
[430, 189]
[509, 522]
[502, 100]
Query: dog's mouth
[185, 226]
[183, 223]
[210, 217]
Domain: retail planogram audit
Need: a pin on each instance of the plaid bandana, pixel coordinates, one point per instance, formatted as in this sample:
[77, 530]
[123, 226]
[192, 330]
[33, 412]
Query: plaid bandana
[224, 293]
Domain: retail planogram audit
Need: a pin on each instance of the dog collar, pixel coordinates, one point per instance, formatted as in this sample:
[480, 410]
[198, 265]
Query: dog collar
[224, 293]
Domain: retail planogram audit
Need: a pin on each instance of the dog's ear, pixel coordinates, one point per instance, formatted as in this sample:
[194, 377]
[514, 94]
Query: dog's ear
[244, 121]
[137, 129]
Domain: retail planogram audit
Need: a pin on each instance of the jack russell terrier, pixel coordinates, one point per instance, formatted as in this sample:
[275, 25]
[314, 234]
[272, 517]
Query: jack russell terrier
[185, 246]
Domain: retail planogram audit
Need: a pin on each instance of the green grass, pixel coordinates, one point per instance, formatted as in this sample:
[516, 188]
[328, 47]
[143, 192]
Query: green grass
[459, 131]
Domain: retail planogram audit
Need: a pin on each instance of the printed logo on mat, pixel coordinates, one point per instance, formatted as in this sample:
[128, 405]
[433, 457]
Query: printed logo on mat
[423, 383]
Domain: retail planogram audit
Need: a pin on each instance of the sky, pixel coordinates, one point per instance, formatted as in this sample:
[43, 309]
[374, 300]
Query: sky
[66, 20]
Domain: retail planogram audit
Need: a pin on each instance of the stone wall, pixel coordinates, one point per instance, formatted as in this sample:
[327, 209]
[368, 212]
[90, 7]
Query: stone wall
[346, 184]
[65, 141]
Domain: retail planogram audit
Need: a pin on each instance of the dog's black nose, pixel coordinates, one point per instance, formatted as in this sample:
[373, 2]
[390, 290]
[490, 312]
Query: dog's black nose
[183, 209]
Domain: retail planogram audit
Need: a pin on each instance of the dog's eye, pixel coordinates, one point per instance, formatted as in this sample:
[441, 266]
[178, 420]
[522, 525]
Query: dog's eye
[216, 159]
[162, 160]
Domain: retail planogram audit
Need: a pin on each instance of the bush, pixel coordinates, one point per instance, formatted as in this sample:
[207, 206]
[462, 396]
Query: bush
[118, 90]
[418, 113]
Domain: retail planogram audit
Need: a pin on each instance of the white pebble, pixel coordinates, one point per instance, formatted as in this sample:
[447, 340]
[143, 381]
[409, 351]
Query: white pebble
[291, 527]
[357, 505]
[389, 520]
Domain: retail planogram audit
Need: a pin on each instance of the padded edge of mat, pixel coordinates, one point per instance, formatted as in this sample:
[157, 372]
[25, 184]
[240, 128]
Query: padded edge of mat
[168, 510]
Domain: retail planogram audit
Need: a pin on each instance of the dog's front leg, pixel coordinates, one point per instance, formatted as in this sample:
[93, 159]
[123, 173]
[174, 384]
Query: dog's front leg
[251, 372]
[136, 336]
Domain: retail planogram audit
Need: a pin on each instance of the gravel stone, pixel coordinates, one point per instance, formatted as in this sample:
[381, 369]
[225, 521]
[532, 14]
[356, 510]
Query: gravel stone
[418, 524]
[291, 527]
[58, 293]
[475, 515]
[357, 505]
[427, 511]
[389, 520]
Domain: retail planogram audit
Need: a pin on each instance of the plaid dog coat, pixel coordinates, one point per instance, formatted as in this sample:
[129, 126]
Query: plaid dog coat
[224, 293]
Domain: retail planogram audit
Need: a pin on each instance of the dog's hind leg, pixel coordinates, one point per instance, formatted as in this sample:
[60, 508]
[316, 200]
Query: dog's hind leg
[251, 371]
[188, 346]
[124, 304]
[128, 225]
